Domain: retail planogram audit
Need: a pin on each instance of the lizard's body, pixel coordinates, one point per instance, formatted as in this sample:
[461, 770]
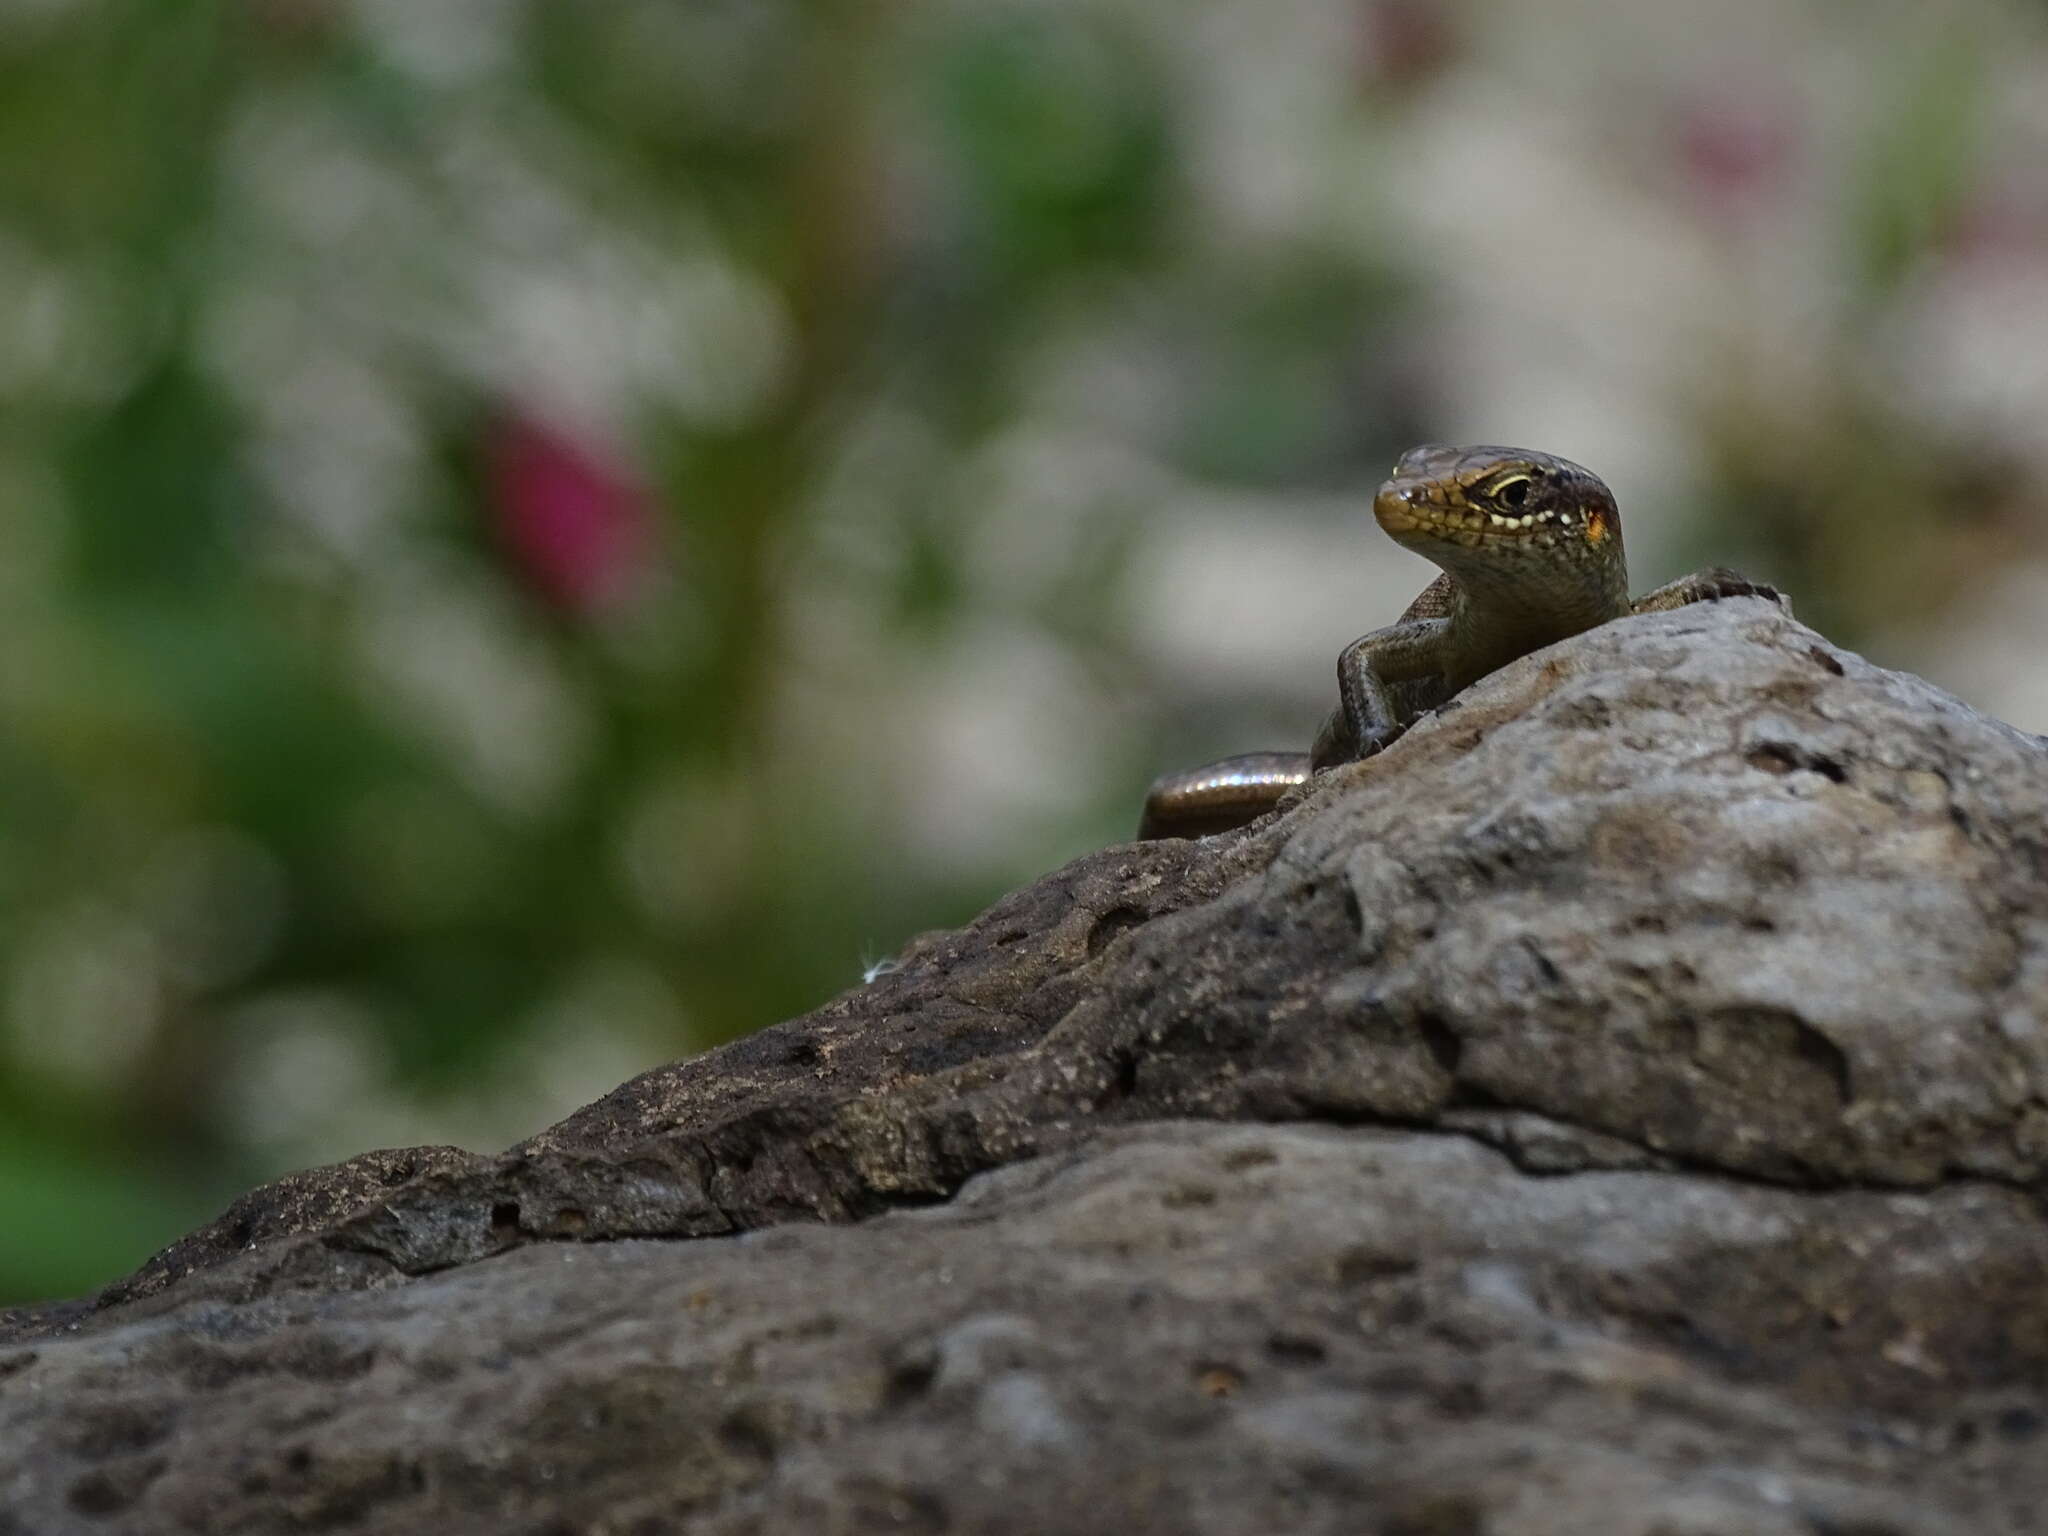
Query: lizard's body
[1530, 547]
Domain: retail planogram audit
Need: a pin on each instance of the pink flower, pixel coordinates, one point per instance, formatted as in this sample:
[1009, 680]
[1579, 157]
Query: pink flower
[1405, 43]
[1738, 154]
[575, 521]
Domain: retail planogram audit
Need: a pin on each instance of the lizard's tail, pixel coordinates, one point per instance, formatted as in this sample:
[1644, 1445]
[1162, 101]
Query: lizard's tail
[1222, 795]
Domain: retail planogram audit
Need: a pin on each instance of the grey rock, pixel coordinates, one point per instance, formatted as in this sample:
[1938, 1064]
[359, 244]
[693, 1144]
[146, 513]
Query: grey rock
[1622, 1107]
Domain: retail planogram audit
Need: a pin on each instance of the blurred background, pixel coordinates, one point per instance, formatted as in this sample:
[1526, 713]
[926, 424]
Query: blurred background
[539, 537]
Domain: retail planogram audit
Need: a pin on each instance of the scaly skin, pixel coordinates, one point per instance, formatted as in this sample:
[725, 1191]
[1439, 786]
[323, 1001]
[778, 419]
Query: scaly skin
[1531, 553]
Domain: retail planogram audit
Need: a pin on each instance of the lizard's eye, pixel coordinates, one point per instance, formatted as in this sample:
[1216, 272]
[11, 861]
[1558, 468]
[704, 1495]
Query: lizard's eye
[1513, 491]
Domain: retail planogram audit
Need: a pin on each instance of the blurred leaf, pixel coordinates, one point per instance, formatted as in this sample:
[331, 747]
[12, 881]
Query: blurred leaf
[1919, 159]
[1060, 130]
[153, 491]
[75, 1222]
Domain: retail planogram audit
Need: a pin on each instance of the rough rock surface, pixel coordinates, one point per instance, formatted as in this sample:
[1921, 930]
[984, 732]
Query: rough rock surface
[1622, 1107]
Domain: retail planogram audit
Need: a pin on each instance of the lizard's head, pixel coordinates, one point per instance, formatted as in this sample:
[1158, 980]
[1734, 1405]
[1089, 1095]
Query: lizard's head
[1463, 507]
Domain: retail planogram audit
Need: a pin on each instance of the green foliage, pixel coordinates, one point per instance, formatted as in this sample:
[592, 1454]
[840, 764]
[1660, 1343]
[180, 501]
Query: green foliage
[1055, 123]
[1919, 165]
[79, 1216]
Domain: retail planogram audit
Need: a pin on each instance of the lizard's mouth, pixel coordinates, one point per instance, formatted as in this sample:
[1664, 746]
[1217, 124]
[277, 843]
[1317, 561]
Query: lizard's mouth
[1418, 515]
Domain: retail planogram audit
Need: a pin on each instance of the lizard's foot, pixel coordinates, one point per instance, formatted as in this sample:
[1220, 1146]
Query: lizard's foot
[1337, 744]
[1707, 586]
[1373, 743]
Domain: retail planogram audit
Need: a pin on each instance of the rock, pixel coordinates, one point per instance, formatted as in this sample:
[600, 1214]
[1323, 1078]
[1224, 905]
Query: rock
[1622, 1107]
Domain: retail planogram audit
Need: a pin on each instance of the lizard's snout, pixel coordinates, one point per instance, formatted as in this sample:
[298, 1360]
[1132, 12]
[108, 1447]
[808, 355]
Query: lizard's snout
[1398, 508]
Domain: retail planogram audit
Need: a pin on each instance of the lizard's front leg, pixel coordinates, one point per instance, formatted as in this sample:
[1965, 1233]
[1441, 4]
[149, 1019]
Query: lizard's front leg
[1365, 720]
[1240, 789]
[1707, 586]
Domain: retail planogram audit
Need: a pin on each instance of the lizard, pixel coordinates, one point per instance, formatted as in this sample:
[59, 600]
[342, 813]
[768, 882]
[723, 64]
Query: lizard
[1530, 549]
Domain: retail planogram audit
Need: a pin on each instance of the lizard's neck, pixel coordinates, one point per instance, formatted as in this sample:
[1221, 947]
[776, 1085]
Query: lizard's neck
[1506, 608]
